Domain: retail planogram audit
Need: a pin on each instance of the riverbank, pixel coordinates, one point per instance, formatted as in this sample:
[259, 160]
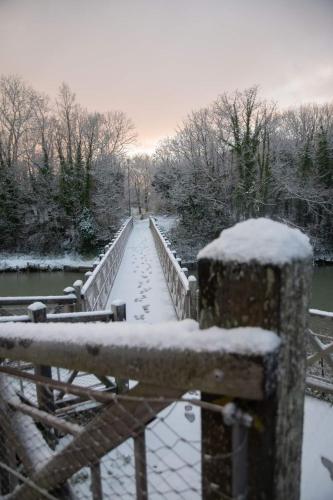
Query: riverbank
[28, 262]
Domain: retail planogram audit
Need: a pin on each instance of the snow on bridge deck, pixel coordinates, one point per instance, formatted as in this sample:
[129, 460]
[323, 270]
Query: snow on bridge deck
[140, 283]
[140, 280]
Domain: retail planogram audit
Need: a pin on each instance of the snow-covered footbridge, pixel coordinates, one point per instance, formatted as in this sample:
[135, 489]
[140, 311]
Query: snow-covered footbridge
[195, 395]
[139, 269]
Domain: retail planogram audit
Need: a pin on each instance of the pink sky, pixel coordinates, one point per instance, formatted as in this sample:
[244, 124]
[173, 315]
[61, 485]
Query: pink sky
[159, 59]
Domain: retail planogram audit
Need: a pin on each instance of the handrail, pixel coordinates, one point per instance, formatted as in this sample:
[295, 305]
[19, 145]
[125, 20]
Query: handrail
[321, 314]
[320, 350]
[121, 349]
[46, 299]
[96, 290]
[75, 317]
[182, 290]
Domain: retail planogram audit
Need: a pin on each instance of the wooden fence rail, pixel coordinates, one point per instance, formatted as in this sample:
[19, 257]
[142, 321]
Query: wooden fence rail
[183, 289]
[95, 291]
[253, 314]
[320, 352]
[46, 299]
[75, 317]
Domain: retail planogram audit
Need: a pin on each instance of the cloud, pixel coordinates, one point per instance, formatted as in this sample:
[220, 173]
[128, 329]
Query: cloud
[316, 86]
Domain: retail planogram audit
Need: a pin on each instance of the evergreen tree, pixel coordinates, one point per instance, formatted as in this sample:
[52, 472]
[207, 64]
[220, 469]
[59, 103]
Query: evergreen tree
[323, 158]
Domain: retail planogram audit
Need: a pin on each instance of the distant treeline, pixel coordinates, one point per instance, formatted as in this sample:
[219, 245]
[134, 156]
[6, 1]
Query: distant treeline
[61, 175]
[241, 157]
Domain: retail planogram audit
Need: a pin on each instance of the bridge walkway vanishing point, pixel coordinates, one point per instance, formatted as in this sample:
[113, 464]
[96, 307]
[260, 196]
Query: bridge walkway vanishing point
[140, 281]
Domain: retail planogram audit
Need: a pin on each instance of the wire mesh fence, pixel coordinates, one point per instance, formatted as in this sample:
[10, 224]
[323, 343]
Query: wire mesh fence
[74, 436]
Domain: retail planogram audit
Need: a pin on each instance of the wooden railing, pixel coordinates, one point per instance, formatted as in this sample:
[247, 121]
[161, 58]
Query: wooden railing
[320, 352]
[12, 308]
[121, 350]
[249, 441]
[96, 290]
[183, 289]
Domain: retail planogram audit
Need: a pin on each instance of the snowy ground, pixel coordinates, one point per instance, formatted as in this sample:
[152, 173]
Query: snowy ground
[317, 484]
[22, 261]
[140, 281]
[167, 222]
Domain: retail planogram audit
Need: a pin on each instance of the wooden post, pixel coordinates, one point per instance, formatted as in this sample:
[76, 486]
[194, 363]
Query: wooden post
[185, 271]
[37, 313]
[245, 281]
[87, 275]
[193, 286]
[69, 290]
[77, 285]
[118, 307]
[96, 481]
[140, 465]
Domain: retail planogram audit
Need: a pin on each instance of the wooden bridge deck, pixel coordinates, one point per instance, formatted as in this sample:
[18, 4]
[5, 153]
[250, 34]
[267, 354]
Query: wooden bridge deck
[140, 281]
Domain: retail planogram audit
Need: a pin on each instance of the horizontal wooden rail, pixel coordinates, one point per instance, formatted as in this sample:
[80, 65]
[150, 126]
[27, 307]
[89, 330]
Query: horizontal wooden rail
[233, 362]
[46, 299]
[183, 290]
[76, 317]
[96, 290]
[321, 314]
[320, 354]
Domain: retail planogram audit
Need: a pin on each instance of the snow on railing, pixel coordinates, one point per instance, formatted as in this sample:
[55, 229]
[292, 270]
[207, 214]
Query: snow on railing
[96, 290]
[212, 360]
[183, 290]
[320, 352]
[11, 307]
[241, 450]
[122, 349]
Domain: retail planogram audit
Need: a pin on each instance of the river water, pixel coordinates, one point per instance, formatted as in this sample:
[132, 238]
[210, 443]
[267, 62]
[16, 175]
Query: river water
[36, 283]
[49, 283]
[322, 288]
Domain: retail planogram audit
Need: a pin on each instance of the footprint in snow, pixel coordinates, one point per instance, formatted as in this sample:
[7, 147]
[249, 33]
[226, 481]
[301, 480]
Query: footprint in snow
[190, 417]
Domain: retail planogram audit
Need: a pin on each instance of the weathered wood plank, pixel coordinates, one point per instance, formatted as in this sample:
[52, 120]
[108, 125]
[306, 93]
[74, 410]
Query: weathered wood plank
[96, 481]
[46, 418]
[46, 299]
[140, 465]
[37, 313]
[69, 317]
[114, 425]
[245, 374]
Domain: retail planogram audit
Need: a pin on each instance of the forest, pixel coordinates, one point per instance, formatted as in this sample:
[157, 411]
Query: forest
[66, 178]
[242, 157]
[61, 170]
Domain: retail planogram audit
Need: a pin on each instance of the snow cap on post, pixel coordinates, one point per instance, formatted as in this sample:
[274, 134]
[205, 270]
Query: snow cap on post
[258, 274]
[258, 240]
